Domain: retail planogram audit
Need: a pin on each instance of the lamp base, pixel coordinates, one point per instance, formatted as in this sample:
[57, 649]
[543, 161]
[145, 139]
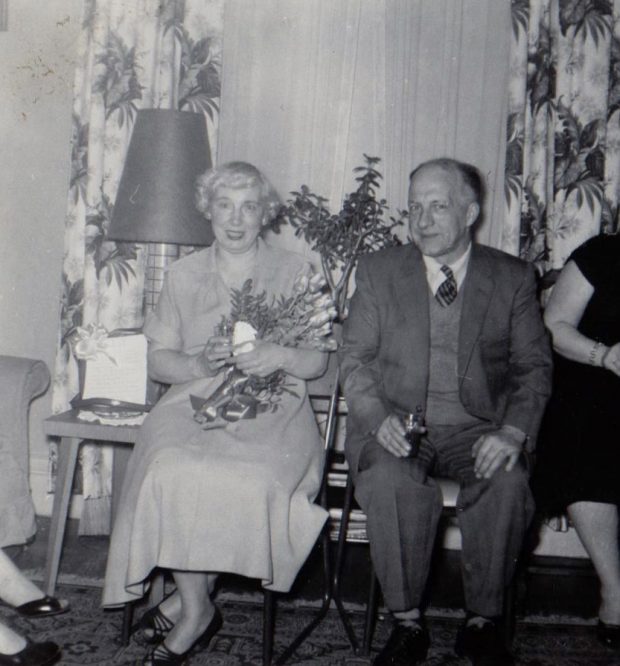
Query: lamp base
[160, 255]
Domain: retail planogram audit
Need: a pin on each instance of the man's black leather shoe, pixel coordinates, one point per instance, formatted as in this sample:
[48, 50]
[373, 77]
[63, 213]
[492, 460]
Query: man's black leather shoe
[483, 644]
[405, 646]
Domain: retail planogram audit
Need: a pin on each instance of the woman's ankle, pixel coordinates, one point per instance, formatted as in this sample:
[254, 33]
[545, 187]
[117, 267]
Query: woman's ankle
[188, 629]
[10, 641]
[171, 606]
[609, 609]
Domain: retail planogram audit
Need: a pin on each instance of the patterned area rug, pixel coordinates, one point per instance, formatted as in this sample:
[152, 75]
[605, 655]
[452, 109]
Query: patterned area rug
[91, 636]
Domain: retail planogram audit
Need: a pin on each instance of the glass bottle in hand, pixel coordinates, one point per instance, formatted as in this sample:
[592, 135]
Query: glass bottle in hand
[414, 427]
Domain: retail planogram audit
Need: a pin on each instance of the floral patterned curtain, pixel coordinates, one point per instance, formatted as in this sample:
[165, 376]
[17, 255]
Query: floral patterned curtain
[133, 54]
[563, 150]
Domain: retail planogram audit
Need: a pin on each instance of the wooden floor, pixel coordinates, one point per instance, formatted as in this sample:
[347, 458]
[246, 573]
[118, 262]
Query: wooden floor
[568, 592]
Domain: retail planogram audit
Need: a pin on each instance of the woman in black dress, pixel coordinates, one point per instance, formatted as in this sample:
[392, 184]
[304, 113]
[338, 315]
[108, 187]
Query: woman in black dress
[578, 469]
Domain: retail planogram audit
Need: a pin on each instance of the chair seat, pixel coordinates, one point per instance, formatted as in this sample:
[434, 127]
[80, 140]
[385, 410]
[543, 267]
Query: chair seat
[450, 491]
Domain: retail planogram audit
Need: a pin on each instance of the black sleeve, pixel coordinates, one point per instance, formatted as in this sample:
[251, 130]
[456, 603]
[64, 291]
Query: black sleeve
[594, 258]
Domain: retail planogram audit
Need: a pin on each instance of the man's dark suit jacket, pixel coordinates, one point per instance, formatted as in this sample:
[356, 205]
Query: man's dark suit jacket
[504, 358]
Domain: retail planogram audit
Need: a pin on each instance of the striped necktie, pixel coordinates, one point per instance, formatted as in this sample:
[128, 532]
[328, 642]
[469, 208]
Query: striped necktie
[447, 289]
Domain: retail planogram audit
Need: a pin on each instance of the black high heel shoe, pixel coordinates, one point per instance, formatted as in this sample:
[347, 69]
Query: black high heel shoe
[162, 655]
[154, 620]
[34, 654]
[202, 642]
[608, 634]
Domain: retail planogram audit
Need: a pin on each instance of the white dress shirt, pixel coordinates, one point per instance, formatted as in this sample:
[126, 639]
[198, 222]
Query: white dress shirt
[435, 276]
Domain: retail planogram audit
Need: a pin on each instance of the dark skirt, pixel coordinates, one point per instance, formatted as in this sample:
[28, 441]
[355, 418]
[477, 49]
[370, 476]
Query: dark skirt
[578, 450]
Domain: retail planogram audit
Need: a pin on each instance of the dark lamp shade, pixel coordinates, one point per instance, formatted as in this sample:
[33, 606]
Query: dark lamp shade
[155, 199]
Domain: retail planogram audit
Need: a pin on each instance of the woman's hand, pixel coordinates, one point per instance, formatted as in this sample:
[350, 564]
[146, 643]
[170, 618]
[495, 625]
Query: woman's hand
[263, 359]
[216, 353]
[611, 360]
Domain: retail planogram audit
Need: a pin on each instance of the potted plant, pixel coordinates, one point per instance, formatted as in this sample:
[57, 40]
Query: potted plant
[362, 225]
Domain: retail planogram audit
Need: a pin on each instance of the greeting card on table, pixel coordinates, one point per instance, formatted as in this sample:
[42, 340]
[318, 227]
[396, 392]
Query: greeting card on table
[120, 372]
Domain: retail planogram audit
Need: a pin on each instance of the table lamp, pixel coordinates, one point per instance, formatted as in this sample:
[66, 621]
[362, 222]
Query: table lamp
[155, 199]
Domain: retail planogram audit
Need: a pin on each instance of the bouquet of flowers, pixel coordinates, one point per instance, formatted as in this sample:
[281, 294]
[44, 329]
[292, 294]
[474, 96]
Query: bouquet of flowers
[303, 319]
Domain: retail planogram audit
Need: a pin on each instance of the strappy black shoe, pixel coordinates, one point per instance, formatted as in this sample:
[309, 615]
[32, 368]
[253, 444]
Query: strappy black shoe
[154, 620]
[162, 655]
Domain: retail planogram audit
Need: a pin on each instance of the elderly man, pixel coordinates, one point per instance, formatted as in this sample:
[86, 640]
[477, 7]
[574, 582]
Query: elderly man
[454, 328]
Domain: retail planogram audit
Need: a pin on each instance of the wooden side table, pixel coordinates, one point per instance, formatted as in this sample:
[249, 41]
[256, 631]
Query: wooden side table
[72, 431]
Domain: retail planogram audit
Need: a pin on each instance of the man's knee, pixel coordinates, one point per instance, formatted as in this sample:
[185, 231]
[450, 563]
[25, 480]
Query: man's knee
[498, 494]
[514, 483]
[392, 481]
[510, 494]
[386, 469]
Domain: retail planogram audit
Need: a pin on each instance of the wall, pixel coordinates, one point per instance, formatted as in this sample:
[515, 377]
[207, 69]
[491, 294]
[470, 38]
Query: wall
[37, 60]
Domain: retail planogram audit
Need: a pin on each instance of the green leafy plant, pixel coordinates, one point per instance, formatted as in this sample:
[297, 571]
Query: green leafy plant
[362, 225]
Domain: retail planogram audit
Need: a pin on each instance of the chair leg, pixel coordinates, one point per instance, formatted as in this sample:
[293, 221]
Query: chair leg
[157, 592]
[322, 612]
[156, 596]
[371, 613]
[127, 622]
[510, 610]
[342, 538]
[512, 597]
[269, 611]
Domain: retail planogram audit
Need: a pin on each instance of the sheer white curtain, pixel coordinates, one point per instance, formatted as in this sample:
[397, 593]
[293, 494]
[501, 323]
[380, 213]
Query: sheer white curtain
[309, 86]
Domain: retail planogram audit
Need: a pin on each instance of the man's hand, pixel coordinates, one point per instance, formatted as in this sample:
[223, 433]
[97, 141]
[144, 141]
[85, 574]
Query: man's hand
[391, 436]
[496, 449]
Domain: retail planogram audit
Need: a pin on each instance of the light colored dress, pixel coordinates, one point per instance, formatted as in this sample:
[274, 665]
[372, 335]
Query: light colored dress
[236, 499]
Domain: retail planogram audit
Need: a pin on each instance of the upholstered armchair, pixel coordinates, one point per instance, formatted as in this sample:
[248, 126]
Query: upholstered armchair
[21, 380]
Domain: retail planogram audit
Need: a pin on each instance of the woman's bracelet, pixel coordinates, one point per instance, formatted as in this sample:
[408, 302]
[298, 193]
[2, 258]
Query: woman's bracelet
[598, 353]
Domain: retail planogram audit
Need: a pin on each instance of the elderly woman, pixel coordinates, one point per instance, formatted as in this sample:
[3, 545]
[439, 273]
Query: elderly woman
[579, 442]
[237, 498]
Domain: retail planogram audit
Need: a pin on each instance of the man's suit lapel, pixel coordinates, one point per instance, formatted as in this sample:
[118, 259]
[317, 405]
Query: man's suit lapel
[478, 289]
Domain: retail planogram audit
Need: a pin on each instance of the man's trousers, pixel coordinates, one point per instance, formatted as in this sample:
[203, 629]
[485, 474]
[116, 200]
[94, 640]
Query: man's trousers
[403, 504]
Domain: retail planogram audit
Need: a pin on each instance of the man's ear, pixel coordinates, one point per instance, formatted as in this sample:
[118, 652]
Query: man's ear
[473, 211]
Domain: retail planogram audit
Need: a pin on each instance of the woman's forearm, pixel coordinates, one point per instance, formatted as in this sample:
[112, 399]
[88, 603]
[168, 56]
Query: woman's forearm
[573, 345]
[303, 363]
[174, 367]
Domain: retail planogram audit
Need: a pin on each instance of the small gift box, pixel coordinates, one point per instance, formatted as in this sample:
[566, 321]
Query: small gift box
[112, 374]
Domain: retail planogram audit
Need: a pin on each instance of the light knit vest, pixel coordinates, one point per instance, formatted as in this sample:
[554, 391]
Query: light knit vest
[444, 405]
